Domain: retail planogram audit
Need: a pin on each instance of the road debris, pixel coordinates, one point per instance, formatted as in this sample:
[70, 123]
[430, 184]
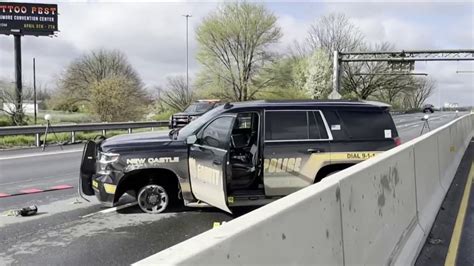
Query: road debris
[26, 211]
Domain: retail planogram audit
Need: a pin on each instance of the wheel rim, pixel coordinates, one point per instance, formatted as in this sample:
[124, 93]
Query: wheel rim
[153, 199]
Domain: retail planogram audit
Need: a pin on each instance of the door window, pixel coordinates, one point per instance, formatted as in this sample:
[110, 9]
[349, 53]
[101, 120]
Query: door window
[216, 134]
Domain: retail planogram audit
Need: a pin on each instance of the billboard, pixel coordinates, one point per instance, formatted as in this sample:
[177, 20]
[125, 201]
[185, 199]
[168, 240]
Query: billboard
[28, 18]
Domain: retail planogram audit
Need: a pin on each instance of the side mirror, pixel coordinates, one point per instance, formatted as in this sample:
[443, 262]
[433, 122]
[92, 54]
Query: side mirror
[191, 139]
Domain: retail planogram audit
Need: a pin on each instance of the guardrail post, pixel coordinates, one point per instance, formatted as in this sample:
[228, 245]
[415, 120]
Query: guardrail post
[73, 136]
[104, 132]
[129, 131]
[152, 129]
[37, 140]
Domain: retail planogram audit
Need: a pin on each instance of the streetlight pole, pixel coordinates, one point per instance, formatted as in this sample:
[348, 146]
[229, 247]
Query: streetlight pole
[34, 87]
[187, 52]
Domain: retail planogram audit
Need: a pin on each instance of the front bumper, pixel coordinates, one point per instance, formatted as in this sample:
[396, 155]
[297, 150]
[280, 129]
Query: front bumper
[105, 192]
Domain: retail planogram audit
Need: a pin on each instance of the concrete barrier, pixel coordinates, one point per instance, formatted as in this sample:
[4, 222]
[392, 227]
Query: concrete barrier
[377, 207]
[268, 234]
[377, 212]
[429, 192]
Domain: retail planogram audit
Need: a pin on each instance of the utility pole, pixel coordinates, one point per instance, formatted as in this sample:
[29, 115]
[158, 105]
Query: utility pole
[34, 87]
[187, 52]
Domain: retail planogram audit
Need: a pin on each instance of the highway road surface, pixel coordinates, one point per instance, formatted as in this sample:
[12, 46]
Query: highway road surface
[69, 230]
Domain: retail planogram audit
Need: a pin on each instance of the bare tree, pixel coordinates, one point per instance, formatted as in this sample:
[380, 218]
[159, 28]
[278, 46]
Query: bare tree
[393, 90]
[423, 88]
[177, 96]
[365, 79]
[8, 100]
[234, 44]
[335, 32]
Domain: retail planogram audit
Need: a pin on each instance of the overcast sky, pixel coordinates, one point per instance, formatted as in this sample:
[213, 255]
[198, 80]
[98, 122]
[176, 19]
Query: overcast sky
[152, 35]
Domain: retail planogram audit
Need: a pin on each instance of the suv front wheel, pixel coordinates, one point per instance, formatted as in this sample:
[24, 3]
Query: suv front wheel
[153, 199]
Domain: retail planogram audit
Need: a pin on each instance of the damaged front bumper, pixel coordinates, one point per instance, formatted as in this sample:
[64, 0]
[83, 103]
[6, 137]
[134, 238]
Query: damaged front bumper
[91, 183]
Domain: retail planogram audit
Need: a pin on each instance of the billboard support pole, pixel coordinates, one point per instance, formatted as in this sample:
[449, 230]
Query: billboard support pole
[19, 87]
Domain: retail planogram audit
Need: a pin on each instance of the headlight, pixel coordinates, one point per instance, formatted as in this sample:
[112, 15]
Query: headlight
[107, 157]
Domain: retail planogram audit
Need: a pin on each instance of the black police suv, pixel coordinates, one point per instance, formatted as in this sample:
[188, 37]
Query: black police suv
[192, 112]
[247, 153]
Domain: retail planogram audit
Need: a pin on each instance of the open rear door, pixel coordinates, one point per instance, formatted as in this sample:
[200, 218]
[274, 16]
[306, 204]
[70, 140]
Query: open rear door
[208, 162]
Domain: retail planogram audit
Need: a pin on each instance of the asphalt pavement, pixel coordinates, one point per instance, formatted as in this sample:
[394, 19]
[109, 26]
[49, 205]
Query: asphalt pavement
[69, 230]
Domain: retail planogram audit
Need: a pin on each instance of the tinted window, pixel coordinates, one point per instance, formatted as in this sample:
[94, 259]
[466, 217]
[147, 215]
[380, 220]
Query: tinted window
[286, 125]
[216, 134]
[367, 124]
[317, 130]
[198, 107]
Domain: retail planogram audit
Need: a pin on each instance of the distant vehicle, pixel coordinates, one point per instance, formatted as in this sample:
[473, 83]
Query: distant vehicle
[237, 154]
[428, 108]
[193, 111]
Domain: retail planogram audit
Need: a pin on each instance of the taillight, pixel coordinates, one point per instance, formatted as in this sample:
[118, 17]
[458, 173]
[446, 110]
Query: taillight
[397, 141]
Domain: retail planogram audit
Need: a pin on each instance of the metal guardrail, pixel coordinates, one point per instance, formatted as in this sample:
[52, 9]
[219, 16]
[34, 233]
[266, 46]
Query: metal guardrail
[73, 128]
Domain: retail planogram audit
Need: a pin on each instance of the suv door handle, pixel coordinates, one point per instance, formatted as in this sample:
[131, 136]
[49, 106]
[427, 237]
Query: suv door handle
[310, 150]
[216, 162]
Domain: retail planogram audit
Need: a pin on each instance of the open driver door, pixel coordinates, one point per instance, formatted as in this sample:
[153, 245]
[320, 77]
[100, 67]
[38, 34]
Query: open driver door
[208, 160]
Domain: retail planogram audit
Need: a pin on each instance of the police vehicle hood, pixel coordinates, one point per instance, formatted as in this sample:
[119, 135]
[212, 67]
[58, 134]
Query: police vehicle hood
[136, 140]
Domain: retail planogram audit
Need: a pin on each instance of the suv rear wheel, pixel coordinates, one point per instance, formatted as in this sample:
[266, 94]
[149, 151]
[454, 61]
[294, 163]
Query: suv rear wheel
[153, 198]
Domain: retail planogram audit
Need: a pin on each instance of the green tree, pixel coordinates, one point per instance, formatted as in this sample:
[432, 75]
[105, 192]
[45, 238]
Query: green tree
[284, 78]
[234, 45]
[115, 99]
[318, 75]
[84, 75]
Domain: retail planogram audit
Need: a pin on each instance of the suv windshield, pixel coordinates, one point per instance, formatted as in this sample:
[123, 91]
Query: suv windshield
[196, 124]
[198, 107]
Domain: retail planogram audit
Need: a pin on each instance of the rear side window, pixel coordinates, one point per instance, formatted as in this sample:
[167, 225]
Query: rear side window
[294, 125]
[368, 124]
[286, 125]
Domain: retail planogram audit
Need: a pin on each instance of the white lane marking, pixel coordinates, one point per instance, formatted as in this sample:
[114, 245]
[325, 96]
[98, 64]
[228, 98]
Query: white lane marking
[38, 154]
[109, 210]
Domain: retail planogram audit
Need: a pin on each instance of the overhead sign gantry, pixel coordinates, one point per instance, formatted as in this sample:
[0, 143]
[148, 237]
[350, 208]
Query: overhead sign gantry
[397, 59]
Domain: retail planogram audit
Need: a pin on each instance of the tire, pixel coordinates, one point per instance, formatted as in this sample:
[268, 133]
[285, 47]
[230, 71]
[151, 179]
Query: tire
[153, 198]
